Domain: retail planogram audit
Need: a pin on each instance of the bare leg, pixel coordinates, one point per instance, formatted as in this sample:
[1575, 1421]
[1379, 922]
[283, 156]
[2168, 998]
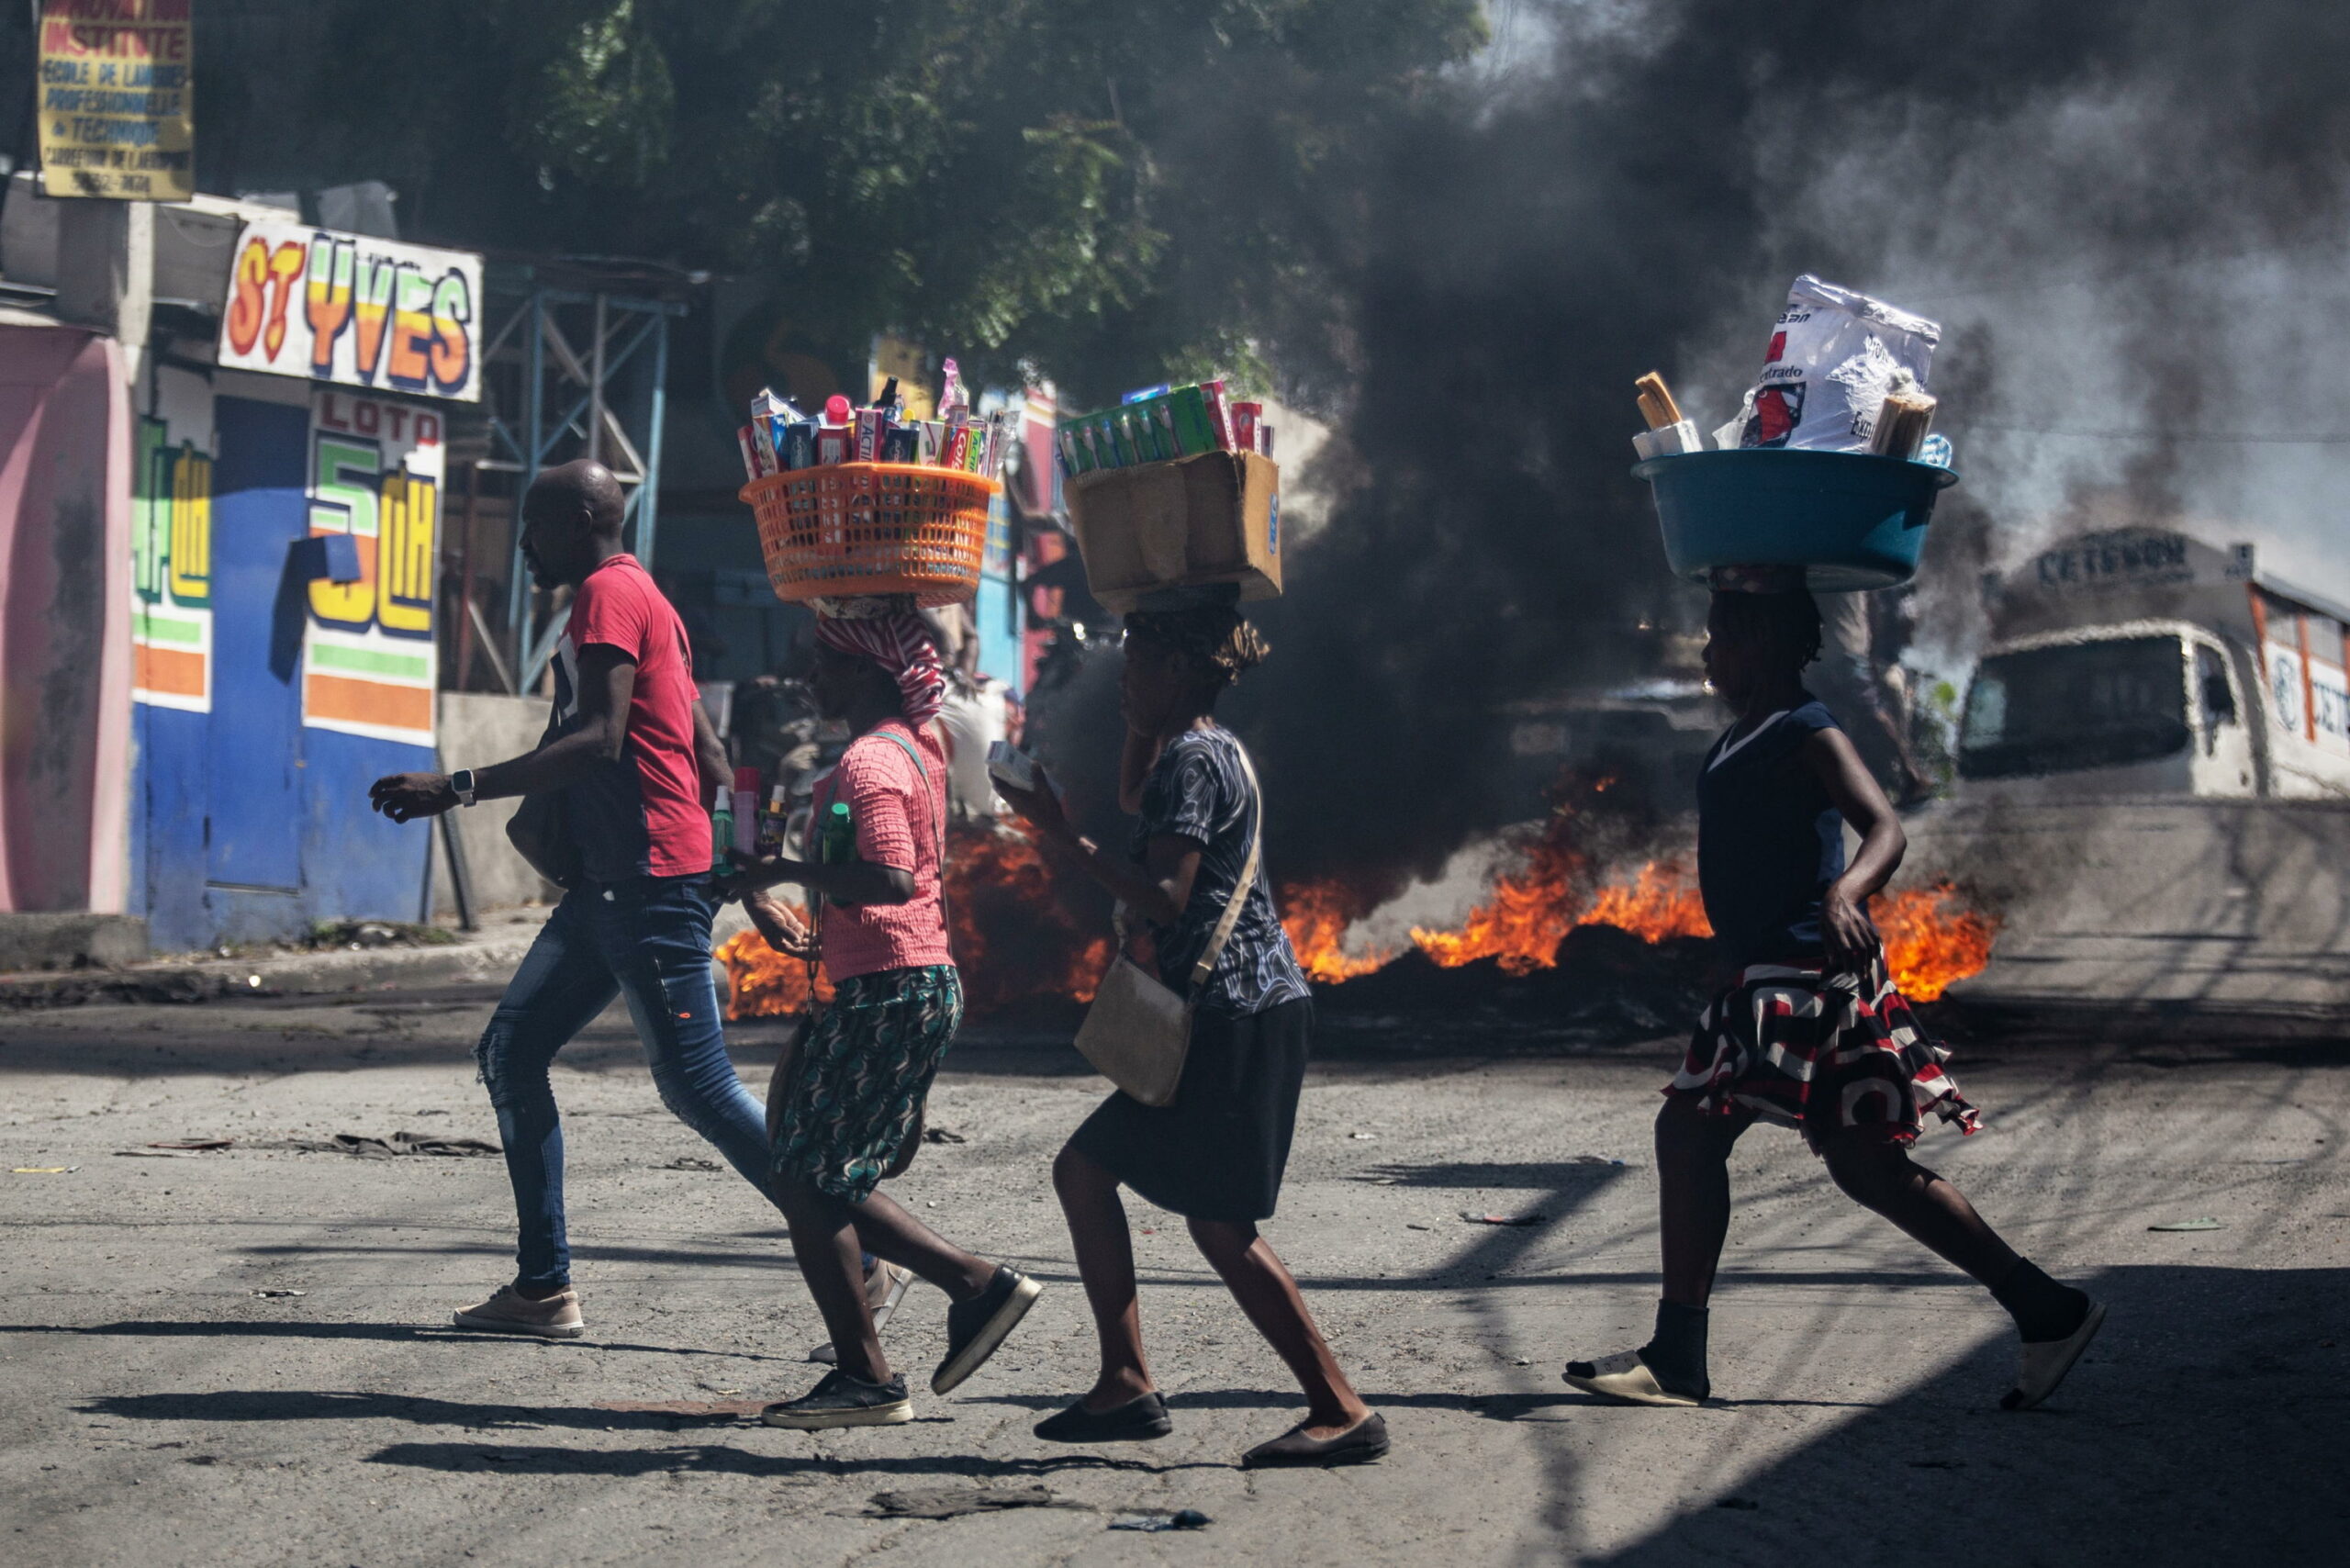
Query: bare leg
[824, 1240]
[887, 1231]
[1262, 1283]
[1692, 1208]
[1105, 1261]
[1882, 1176]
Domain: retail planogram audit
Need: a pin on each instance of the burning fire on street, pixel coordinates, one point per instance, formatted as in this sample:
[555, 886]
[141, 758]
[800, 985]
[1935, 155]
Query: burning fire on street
[1020, 937]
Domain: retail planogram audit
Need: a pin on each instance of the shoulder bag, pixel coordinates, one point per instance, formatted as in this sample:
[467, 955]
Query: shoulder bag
[1137, 1033]
[541, 833]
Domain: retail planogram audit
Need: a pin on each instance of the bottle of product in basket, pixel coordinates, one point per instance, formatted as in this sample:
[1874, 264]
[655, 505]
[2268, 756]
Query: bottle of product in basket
[774, 822]
[839, 836]
[745, 811]
[722, 826]
[834, 436]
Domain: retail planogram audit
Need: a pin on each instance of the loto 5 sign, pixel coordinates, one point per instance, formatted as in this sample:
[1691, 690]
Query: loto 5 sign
[354, 311]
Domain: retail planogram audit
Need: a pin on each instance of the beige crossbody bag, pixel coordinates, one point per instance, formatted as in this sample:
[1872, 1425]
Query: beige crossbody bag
[1138, 1032]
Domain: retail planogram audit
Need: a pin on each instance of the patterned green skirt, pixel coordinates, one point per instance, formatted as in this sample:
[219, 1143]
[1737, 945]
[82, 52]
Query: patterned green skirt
[859, 1081]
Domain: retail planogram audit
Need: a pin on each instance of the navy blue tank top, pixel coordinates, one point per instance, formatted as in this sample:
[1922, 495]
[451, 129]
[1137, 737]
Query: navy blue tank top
[1769, 839]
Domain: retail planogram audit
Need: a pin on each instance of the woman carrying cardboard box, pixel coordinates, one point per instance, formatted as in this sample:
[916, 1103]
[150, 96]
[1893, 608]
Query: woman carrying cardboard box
[1214, 1153]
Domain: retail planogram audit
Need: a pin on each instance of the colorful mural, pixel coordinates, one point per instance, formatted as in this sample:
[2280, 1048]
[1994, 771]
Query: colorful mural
[171, 522]
[368, 660]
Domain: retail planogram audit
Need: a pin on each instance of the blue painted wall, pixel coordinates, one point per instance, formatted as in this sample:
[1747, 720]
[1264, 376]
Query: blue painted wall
[247, 825]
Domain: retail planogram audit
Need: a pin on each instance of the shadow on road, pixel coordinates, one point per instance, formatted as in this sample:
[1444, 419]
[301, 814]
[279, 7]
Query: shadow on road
[721, 1459]
[2205, 1426]
[397, 1332]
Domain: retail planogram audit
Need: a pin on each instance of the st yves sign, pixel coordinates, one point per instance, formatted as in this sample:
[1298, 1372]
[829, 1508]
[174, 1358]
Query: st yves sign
[372, 314]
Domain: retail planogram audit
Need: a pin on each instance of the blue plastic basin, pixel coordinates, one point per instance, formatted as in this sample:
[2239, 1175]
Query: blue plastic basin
[1854, 519]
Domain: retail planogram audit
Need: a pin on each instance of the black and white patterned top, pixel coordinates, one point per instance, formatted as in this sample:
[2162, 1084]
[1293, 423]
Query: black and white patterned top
[1197, 791]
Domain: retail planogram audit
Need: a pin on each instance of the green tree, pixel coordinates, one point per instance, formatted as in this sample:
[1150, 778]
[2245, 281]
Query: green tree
[1101, 185]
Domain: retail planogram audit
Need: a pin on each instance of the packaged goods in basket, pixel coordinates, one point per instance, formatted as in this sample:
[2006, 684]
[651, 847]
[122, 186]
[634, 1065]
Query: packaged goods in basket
[1833, 357]
[1828, 466]
[857, 503]
[1174, 489]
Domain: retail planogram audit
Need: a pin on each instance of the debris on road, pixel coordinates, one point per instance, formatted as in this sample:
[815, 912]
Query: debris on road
[197, 1143]
[942, 1135]
[398, 1144]
[2206, 1224]
[43, 1169]
[688, 1162]
[268, 1291]
[953, 1502]
[1475, 1218]
[1182, 1518]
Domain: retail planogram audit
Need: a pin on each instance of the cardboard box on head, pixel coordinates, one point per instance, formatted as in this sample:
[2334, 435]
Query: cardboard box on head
[1213, 518]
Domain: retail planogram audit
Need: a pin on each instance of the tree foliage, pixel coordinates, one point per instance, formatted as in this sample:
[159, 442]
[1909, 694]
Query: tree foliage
[1097, 185]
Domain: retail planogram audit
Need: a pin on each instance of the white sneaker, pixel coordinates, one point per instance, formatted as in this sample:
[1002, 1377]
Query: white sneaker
[556, 1317]
[2045, 1361]
[885, 1287]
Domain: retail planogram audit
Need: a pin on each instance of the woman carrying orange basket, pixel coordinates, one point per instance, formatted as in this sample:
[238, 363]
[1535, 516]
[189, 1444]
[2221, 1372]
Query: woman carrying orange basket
[849, 1098]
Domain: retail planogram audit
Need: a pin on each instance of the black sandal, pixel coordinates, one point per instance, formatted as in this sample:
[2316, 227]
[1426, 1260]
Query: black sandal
[1136, 1421]
[1359, 1444]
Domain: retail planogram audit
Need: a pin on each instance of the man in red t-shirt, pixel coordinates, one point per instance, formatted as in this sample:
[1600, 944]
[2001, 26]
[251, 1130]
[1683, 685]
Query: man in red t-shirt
[634, 760]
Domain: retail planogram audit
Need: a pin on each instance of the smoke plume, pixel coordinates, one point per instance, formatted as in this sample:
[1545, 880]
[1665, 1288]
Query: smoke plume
[2125, 212]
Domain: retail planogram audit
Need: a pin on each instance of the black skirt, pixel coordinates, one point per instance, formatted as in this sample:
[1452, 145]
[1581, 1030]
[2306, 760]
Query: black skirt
[1219, 1151]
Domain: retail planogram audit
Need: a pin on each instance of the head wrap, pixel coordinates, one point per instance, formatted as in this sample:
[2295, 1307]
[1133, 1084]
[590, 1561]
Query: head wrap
[1214, 635]
[901, 644]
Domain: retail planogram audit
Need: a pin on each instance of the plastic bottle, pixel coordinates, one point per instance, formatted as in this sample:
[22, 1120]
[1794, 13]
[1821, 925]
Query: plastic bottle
[774, 822]
[722, 827]
[743, 810]
[839, 836]
[951, 400]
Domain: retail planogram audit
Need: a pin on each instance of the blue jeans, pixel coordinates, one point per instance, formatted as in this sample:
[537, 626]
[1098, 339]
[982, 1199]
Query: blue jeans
[648, 940]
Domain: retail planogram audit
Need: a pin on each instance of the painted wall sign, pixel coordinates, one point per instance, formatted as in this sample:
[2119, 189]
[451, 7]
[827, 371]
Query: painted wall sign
[368, 659]
[114, 95]
[372, 314]
[171, 546]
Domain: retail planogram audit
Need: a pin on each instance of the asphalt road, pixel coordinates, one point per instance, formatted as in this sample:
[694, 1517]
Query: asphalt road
[161, 1408]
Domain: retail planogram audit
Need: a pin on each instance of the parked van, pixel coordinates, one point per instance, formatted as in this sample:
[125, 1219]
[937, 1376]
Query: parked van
[2145, 662]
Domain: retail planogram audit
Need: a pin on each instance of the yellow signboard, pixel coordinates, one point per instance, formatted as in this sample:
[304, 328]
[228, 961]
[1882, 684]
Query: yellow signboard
[116, 89]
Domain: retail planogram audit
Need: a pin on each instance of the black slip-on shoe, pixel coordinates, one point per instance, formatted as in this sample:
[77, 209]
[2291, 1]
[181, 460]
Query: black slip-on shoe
[975, 1327]
[843, 1399]
[1135, 1421]
[1359, 1444]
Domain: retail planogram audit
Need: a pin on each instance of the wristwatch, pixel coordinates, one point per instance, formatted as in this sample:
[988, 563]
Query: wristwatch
[461, 783]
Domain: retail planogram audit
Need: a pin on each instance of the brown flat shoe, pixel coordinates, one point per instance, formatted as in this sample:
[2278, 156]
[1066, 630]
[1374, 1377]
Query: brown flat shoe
[1359, 1444]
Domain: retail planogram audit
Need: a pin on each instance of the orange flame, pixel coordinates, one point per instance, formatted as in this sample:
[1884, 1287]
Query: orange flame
[1932, 939]
[1017, 935]
[1316, 915]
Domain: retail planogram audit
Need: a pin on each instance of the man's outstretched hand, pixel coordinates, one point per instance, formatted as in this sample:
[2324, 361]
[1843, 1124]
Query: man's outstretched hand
[404, 796]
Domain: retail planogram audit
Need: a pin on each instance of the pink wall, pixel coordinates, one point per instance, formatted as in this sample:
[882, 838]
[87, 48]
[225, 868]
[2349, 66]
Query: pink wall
[65, 621]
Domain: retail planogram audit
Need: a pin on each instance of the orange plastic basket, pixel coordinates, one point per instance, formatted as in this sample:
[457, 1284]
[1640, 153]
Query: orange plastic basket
[849, 529]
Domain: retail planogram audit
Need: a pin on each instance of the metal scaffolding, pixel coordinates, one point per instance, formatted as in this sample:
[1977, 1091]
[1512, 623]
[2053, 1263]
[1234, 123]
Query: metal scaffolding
[586, 374]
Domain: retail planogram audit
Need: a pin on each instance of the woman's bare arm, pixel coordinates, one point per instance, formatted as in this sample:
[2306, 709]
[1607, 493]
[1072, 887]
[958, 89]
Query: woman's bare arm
[1844, 926]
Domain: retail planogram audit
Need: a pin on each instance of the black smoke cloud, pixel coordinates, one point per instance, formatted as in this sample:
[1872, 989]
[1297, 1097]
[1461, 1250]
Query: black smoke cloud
[1512, 254]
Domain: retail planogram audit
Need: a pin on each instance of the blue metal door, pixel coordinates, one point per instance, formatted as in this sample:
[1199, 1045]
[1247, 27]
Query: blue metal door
[253, 830]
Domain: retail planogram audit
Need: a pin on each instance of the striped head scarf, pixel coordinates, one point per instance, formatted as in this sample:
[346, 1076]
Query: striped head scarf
[901, 645]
